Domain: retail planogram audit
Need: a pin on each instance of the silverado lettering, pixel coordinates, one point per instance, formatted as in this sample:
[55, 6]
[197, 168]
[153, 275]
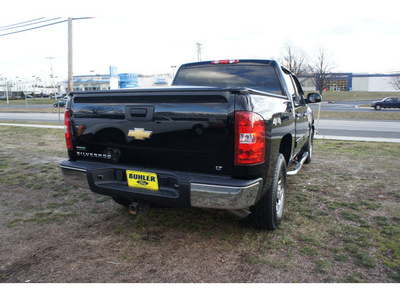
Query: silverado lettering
[225, 135]
[94, 155]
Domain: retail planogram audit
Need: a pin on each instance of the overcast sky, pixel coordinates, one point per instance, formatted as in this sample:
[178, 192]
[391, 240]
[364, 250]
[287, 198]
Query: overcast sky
[148, 37]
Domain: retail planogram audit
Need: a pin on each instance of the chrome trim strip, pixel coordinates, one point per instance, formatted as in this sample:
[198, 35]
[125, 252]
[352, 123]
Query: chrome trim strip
[75, 176]
[73, 168]
[225, 197]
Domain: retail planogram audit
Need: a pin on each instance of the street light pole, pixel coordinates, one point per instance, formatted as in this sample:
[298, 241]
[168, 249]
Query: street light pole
[173, 72]
[91, 78]
[8, 101]
[199, 51]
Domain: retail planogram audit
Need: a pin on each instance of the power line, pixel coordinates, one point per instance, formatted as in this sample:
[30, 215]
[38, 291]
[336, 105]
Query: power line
[33, 28]
[14, 27]
[21, 22]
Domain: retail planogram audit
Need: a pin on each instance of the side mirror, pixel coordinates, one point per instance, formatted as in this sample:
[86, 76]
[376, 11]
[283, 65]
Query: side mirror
[314, 98]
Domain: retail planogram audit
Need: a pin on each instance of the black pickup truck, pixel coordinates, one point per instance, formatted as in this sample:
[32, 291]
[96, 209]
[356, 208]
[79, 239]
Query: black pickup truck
[224, 136]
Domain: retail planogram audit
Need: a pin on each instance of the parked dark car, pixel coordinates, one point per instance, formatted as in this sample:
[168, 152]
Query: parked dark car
[62, 102]
[58, 96]
[389, 102]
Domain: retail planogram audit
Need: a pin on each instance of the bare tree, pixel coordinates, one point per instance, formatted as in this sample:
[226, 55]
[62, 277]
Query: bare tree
[395, 81]
[293, 59]
[321, 68]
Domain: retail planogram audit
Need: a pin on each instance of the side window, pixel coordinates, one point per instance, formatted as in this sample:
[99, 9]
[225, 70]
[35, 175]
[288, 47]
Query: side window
[292, 90]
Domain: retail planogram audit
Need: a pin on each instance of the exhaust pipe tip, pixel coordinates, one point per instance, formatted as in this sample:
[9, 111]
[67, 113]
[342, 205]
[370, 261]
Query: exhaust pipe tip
[140, 207]
[132, 210]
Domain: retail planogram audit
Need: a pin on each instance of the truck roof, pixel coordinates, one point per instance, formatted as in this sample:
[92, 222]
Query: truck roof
[236, 61]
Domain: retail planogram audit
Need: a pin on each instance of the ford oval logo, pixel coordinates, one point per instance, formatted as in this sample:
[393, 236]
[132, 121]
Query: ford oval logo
[142, 182]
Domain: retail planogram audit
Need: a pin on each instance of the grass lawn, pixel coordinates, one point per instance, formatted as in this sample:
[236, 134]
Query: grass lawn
[29, 101]
[354, 96]
[361, 115]
[341, 224]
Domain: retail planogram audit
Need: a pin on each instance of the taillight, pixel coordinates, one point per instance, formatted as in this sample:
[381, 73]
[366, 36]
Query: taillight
[249, 138]
[225, 61]
[68, 129]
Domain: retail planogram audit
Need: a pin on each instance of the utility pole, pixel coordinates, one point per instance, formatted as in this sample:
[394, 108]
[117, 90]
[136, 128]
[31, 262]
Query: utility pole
[70, 72]
[70, 55]
[198, 51]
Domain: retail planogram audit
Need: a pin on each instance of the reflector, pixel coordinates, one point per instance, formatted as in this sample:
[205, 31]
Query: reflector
[68, 129]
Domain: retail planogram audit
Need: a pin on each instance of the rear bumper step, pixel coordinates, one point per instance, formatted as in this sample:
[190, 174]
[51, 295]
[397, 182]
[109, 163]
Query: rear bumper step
[179, 189]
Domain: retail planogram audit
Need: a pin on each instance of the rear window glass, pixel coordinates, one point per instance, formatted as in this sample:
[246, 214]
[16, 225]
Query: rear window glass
[263, 78]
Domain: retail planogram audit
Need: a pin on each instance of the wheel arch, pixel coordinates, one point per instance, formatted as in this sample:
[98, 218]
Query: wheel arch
[286, 147]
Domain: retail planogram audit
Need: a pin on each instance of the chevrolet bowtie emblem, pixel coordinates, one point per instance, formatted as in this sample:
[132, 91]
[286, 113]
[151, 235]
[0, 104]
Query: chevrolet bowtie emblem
[139, 133]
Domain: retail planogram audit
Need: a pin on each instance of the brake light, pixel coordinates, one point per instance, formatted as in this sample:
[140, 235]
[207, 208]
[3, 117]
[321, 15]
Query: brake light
[225, 61]
[68, 129]
[249, 138]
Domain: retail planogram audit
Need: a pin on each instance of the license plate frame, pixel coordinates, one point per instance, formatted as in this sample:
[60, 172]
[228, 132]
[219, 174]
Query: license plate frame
[142, 180]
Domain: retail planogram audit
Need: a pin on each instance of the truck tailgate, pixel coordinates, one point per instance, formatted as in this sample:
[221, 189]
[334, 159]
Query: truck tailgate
[172, 128]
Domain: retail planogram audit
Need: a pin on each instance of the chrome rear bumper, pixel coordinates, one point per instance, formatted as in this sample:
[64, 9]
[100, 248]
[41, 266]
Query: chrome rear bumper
[225, 197]
[75, 176]
[203, 191]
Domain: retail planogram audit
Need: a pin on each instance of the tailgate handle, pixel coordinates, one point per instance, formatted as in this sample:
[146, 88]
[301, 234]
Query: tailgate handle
[139, 113]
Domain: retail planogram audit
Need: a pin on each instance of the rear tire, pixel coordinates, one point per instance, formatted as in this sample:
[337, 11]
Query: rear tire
[268, 212]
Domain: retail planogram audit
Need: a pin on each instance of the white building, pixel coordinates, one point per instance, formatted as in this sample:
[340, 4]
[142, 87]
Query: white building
[353, 82]
[116, 81]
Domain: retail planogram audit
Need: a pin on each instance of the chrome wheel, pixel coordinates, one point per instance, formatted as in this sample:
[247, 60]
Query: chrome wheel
[280, 198]
[309, 148]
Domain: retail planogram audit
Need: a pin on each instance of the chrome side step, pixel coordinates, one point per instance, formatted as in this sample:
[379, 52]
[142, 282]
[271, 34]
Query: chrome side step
[298, 165]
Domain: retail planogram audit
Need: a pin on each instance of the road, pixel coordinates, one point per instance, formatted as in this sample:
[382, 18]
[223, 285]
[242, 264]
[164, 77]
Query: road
[372, 130]
[39, 117]
[349, 106]
[326, 127]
